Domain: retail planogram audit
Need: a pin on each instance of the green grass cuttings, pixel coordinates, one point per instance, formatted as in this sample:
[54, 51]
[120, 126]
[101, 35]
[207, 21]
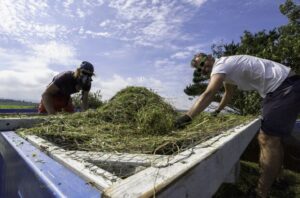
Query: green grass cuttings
[135, 120]
[131, 103]
[20, 115]
[287, 186]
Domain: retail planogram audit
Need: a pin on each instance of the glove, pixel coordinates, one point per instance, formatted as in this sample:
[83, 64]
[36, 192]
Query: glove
[215, 113]
[182, 121]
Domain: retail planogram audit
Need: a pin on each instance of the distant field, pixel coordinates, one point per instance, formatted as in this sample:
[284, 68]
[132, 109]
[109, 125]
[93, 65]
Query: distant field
[16, 104]
[17, 107]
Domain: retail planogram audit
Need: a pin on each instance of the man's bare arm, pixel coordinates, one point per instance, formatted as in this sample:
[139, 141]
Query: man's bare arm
[47, 96]
[229, 90]
[84, 102]
[206, 97]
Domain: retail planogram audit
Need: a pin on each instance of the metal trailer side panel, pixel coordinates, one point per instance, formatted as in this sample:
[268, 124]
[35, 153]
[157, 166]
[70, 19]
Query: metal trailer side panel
[15, 111]
[27, 172]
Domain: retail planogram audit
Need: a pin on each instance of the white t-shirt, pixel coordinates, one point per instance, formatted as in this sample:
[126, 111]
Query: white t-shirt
[251, 73]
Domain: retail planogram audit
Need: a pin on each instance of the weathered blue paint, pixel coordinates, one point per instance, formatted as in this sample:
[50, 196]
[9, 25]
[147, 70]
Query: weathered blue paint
[27, 172]
[18, 111]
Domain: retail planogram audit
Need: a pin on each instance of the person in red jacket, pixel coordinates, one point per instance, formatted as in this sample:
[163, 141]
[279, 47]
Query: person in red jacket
[57, 96]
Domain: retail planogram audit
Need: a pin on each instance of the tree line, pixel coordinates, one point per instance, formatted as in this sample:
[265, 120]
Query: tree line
[16, 102]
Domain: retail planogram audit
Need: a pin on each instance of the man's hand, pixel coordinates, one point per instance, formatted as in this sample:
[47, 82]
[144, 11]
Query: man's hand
[182, 121]
[215, 113]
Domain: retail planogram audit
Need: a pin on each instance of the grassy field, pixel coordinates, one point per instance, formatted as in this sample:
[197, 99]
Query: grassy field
[17, 106]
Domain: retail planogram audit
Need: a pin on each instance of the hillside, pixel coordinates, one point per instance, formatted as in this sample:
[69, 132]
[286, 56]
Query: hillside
[9, 103]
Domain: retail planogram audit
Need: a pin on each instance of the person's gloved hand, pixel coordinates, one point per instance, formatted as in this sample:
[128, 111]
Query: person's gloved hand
[215, 113]
[182, 121]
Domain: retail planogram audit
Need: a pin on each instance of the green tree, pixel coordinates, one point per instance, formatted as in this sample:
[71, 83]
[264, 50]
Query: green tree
[198, 85]
[289, 41]
[94, 100]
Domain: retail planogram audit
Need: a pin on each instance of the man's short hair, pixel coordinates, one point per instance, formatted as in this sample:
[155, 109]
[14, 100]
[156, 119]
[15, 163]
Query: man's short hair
[203, 59]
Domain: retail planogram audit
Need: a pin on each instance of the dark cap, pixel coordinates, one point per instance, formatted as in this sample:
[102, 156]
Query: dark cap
[87, 67]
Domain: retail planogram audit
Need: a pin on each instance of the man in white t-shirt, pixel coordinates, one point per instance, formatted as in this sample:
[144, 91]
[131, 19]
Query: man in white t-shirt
[276, 83]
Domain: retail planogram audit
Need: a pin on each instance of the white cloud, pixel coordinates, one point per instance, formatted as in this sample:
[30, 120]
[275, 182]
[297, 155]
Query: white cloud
[110, 87]
[55, 52]
[104, 23]
[27, 83]
[181, 55]
[68, 3]
[80, 13]
[170, 69]
[25, 20]
[25, 75]
[188, 51]
[98, 34]
[141, 22]
[116, 53]
[196, 2]
[149, 23]
[198, 47]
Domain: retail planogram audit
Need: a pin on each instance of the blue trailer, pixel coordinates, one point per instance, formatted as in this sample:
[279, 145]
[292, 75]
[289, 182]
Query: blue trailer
[21, 111]
[33, 170]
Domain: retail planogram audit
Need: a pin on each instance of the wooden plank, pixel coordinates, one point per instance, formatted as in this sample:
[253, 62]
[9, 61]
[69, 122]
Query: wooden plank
[88, 171]
[197, 172]
[9, 124]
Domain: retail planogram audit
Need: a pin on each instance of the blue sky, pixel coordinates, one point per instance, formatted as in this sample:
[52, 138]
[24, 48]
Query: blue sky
[130, 42]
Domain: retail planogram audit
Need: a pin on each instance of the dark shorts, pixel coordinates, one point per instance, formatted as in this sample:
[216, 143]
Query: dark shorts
[281, 108]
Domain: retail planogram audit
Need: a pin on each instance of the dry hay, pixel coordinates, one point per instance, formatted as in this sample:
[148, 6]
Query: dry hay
[135, 120]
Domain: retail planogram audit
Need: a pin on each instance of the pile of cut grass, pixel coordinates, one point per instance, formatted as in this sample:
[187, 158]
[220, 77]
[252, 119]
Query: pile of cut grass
[140, 107]
[135, 120]
[287, 186]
